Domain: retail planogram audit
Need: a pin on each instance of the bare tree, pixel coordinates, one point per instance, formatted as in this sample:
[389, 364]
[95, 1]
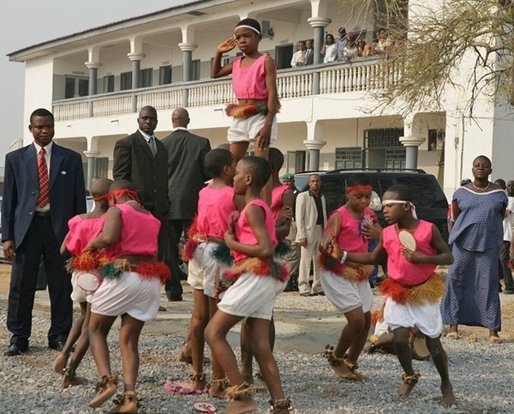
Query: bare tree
[431, 40]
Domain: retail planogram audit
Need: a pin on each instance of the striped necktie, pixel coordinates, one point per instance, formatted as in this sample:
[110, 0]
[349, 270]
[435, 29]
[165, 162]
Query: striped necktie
[42, 170]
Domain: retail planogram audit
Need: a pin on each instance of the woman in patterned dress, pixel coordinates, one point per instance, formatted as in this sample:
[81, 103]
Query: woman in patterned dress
[472, 296]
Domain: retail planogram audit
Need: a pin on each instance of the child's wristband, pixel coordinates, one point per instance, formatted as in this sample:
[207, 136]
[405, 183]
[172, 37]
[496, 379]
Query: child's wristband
[343, 257]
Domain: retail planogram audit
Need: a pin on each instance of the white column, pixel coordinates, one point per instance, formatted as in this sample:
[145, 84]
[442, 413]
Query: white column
[318, 24]
[413, 132]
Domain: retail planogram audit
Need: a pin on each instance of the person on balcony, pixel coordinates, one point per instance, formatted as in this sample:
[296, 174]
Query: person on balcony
[254, 80]
[329, 50]
[309, 52]
[299, 56]
[341, 44]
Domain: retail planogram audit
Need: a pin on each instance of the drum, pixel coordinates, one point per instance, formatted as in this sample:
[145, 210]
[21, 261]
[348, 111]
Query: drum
[89, 280]
[419, 347]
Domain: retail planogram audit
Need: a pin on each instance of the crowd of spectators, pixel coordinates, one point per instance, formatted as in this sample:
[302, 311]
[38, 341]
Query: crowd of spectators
[348, 46]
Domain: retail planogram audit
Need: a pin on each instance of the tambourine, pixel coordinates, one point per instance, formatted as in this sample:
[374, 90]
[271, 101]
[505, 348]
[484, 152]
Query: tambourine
[89, 280]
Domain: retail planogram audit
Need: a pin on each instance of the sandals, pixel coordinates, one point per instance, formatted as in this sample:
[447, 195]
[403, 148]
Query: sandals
[411, 379]
[218, 388]
[105, 388]
[281, 406]
[495, 340]
[453, 335]
[126, 403]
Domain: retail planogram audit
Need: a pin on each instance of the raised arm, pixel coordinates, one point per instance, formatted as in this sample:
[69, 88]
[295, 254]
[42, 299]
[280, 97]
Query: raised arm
[217, 70]
[443, 257]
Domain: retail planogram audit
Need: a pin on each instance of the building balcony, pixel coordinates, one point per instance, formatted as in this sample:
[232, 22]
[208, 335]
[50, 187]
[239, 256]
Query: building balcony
[362, 75]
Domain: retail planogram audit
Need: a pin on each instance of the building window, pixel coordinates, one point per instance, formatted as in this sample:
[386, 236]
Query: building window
[83, 87]
[284, 54]
[108, 84]
[395, 158]
[435, 139]
[145, 78]
[195, 70]
[125, 81]
[295, 161]
[165, 75]
[349, 158]
[69, 88]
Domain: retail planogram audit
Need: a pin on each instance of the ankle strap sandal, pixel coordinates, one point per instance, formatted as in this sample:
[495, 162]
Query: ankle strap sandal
[105, 389]
[329, 354]
[411, 379]
[128, 402]
[197, 376]
[239, 392]
[283, 406]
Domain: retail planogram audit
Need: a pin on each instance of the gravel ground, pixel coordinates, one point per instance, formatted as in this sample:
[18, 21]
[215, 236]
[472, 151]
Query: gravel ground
[480, 372]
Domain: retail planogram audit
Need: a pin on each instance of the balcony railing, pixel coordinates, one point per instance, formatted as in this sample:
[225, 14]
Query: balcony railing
[364, 75]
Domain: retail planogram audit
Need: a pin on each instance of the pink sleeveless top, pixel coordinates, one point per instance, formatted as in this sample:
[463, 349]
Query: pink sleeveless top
[350, 237]
[398, 268]
[276, 199]
[139, 233]
[244, 232]
[82, 231]
[249, 83]
[214, 209]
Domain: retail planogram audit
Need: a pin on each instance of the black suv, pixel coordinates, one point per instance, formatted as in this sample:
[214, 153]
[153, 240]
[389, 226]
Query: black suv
[429, 199]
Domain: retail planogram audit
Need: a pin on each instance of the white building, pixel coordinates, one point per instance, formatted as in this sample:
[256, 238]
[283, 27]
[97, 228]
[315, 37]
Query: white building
[95, 81]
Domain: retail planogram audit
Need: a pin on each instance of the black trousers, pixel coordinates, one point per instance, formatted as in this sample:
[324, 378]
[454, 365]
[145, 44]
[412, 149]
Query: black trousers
[40, 242]
[175, 230]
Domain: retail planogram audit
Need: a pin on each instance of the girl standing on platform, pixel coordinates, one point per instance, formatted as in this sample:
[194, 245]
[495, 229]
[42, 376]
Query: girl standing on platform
[254, 82]
[346, 285]
[413, 290]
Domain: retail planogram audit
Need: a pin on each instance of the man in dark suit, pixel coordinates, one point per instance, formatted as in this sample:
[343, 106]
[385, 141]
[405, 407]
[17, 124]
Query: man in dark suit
[142, 159]
[186, 177]
[43, 188]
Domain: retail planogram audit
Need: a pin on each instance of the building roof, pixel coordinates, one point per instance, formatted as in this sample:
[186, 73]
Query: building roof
[40, 49]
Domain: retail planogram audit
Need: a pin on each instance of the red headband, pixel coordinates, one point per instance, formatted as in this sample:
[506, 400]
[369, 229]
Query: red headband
[119, 193]
[359, 188]
[102, 198]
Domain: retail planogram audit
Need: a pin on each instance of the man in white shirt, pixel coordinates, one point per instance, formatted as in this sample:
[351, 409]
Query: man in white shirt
[505, 247]
[299, 56]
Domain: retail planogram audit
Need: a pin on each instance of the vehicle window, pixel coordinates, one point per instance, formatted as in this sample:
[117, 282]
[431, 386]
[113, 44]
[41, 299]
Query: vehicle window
[332, 187]
[425, 190]
[385, 183]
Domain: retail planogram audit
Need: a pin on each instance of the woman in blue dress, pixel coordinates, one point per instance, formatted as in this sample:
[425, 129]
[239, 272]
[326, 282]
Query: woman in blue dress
[472, 295]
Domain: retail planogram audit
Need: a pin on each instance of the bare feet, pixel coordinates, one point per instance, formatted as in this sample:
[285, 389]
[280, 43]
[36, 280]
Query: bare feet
[247, 405]
[448, 395]
[60, 362]
[452, 335]
[409, 382]
[185, 354]
[69, 379]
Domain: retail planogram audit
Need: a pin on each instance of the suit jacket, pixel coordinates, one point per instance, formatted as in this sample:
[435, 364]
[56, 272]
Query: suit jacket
[186, 172]
[307, 215]
[21, 191]
[309, 56]
[134, 161]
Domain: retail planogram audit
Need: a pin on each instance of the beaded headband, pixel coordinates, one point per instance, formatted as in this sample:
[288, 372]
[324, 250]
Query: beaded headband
[410, 203]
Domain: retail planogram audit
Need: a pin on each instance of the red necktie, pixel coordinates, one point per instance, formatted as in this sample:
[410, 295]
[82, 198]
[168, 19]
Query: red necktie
[42, 171]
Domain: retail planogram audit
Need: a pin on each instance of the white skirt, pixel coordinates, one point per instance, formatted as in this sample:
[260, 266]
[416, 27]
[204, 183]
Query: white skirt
[426, 317]
[252, 296]
[130, 293]
[204, 271]
[78, 294]
[344, 294]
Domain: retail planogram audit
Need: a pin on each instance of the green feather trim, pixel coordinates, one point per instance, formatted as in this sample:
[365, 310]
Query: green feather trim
[111, 271]
[222, 254]
[282, 249]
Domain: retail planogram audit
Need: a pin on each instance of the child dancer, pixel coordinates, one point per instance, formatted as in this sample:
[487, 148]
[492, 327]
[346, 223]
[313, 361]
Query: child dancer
[215, 206]
[282, 201]
[254, 83]
[130, 289]
[413, 291]
[346, 285]
[256, 282]
[83, 229]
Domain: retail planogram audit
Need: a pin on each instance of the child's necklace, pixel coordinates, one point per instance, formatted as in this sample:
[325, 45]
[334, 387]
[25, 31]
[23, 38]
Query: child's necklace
[481, 189]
